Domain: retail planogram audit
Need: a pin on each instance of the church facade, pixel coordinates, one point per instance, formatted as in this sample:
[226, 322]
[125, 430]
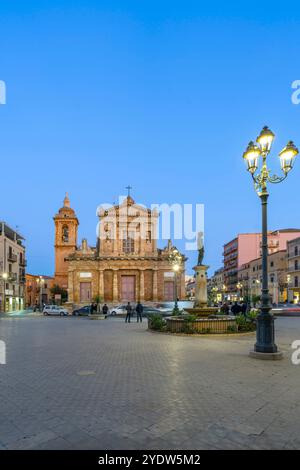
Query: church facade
[125, 265]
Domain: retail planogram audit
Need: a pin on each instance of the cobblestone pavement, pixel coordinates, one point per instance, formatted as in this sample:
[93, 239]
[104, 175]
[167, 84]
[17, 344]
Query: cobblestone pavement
[73, 383]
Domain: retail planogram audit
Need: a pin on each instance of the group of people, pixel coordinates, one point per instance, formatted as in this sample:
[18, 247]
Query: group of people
[130, 310]
[94, 308]
[234, 308]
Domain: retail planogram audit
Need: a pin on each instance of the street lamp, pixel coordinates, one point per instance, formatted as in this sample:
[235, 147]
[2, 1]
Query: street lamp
[240, 288]
[176, 260]
[265, 335]
[4, 277]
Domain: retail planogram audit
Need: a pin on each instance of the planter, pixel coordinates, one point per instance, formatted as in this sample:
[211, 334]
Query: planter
[97, 317]
[202, 325]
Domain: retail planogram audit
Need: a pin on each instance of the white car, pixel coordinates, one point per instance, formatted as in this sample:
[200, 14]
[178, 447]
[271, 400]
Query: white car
[55, 310]
[119, 310]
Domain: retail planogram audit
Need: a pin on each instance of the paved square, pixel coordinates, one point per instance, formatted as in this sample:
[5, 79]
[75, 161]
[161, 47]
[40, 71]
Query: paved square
[73, 383]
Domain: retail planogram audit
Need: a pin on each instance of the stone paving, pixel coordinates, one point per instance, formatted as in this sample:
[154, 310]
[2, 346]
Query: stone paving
[73, 383]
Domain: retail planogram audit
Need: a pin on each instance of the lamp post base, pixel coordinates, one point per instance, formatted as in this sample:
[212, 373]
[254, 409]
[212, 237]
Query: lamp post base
[275, 356]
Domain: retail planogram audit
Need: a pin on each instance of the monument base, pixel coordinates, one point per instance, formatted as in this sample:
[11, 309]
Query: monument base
[266, 356]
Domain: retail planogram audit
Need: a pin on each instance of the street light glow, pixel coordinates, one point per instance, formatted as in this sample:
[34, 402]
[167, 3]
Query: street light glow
[251, 156]
[265, 139]
[287, 156]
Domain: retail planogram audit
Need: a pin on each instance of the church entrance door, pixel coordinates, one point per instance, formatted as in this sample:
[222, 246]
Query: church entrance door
[85, 292]
[128, 288]
[169, 290]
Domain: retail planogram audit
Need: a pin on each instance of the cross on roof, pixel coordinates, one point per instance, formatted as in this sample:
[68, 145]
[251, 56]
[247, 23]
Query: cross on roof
[128, 189]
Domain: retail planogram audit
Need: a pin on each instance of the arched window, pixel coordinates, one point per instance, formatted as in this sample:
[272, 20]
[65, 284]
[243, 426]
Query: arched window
[65, 234]
[128, 243]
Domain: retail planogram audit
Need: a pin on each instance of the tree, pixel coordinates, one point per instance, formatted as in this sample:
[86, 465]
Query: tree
[98, 300]
[57, 290]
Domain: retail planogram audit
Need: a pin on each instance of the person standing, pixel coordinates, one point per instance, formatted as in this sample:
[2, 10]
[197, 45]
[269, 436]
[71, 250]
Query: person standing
[235, 309]
[225, 309]
[129, 312]
[139, 310]
[244, 309]
[105, 309]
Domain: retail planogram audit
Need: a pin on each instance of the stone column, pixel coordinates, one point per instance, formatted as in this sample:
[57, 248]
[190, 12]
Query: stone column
[70, 287]
[142, 286]
[101, 283]
[115, 287]
[201, 286]
[154, 286]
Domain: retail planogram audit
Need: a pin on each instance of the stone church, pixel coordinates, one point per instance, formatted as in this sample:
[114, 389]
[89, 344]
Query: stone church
[125, 265]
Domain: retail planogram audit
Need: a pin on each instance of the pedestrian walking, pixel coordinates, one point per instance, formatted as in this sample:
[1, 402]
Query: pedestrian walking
[129, 312]
[139, 310]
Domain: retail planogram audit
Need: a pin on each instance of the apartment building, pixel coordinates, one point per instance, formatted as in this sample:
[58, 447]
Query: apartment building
[246, 247]
[250, 278]
[38, 290]
[12, 269]
[215, 285]
[293, 258]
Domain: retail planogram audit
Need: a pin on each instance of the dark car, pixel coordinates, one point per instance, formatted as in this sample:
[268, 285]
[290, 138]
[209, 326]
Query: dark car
[82, 311]
[149, 311]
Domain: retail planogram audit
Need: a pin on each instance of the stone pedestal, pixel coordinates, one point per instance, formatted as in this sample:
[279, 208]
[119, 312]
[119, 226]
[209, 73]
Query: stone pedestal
[201, 286]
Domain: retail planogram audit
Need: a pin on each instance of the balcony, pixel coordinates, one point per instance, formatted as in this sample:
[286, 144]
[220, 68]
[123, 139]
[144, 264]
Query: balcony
[12, 258]
[23, 263]
[12, 277]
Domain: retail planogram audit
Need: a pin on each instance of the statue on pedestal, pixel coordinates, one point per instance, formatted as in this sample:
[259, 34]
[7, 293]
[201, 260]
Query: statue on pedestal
[200, 244]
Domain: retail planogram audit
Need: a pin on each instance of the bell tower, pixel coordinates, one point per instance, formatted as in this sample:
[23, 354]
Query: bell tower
[66, 227]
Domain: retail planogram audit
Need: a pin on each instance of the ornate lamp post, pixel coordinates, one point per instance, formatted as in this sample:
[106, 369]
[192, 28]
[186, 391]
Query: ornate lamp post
[265, 336]
[175, 259]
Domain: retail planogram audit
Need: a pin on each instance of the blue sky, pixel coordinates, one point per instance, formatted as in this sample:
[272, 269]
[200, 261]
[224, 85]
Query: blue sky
[164, 95]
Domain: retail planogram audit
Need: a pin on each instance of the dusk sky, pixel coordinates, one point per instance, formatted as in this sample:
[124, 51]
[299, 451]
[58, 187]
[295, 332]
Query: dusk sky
[163, 95]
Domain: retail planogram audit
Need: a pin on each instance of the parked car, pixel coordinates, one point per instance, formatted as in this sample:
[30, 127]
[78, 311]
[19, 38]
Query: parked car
[82, 311]
[121, 310]
[167, 307]
[55, 310]
[118, 310]
[150, 310]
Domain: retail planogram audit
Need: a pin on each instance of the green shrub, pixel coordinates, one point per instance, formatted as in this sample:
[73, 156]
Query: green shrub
[188, 328]
[156, 322]
[252, 315]
[190, 318]
[245, 324]
[206, 331]
[232, 329]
